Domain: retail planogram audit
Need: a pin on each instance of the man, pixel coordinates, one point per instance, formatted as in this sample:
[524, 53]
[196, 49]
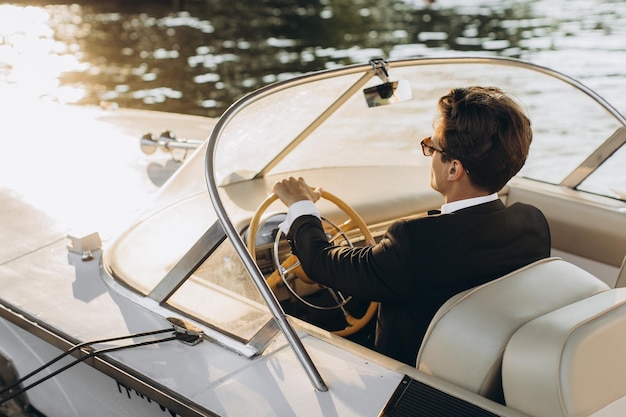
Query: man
[481, 140]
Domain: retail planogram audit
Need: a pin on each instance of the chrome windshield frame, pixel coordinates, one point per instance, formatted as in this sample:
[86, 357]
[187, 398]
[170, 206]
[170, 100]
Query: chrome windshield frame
[236, 239]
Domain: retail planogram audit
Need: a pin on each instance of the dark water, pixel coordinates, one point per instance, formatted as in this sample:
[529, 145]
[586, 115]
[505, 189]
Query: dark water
[199, 56]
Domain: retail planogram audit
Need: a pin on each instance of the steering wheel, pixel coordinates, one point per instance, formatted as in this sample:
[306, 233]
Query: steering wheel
[292, 263]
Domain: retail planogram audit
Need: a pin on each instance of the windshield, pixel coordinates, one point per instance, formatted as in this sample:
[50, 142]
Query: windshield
[567, 124]
[166, 255]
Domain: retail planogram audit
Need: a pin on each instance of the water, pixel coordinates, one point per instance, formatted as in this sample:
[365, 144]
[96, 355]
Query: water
[198, 57]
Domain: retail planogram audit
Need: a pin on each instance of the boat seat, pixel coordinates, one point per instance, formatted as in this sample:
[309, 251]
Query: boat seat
[570, 362]
[465, 340]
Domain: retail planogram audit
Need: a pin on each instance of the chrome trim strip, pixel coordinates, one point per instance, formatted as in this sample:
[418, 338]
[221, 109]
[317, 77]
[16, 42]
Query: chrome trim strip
[593, 161]
[315, 123]
[193, 258]
[178, 275]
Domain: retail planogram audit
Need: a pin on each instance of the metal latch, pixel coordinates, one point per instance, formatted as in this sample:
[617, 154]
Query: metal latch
[85, 246]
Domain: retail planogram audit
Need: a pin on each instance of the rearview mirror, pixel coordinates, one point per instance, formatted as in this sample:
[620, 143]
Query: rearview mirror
[388, 93]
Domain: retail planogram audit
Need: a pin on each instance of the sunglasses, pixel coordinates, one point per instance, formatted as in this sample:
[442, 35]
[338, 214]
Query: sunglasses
[427, 147]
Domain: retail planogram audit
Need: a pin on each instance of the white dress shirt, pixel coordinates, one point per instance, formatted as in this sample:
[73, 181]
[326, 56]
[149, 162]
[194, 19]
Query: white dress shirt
[468, 202]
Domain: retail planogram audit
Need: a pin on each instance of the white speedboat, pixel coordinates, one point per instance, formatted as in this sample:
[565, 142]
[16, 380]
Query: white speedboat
[190, 306]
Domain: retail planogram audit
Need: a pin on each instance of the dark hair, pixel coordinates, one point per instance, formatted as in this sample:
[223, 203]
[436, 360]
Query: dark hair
[487, 131]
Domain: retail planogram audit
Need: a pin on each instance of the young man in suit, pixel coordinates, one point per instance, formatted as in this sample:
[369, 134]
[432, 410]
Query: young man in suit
[481, 140]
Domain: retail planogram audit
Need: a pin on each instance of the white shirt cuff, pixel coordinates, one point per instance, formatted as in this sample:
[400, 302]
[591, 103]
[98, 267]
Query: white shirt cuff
[297, 209]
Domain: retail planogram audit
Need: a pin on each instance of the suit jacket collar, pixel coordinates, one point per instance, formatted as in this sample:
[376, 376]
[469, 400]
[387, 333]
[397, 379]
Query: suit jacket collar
[488, 207]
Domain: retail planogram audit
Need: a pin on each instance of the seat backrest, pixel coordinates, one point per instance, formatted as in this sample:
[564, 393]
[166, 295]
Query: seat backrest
[465, 341]
[570, 362]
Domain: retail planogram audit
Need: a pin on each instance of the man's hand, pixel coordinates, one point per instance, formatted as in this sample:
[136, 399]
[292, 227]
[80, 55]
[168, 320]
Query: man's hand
[290, 190]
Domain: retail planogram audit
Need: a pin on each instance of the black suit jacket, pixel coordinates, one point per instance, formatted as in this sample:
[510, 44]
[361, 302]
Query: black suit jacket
[422, 262]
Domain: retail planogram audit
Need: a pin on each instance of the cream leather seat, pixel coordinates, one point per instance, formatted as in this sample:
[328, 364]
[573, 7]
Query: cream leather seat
[466, 339]
[570, 362]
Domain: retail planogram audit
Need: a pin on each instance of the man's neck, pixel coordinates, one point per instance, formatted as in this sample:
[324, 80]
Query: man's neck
[464, 194]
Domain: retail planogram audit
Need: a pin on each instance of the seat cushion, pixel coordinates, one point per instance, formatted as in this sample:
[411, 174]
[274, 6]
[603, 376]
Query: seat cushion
[570, 362]
[466, 339]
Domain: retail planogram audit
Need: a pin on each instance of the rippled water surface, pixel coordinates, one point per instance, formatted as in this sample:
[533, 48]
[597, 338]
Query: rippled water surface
[198, 57]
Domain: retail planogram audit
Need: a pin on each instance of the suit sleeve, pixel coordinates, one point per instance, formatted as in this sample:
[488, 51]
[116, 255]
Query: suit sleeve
[378, 273]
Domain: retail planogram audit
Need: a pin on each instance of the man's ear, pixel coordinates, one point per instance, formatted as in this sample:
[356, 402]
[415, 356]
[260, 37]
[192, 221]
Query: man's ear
[455, 170]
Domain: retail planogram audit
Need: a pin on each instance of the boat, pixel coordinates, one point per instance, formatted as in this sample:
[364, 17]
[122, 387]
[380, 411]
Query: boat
[148, 283]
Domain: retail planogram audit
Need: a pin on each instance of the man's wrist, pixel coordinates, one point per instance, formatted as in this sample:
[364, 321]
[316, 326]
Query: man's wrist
[297, 209]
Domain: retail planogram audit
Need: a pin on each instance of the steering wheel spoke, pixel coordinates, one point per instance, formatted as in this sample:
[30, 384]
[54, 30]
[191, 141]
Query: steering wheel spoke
[292, 267]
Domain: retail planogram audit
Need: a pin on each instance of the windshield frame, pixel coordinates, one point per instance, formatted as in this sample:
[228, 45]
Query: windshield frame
[219, 227]
[280, 318]
[369, 71]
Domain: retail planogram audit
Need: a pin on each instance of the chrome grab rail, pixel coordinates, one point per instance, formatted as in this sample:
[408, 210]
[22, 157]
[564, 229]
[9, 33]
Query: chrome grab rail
[257, 276]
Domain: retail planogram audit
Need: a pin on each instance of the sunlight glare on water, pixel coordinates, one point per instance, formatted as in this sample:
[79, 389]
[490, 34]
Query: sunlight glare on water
[31, 60]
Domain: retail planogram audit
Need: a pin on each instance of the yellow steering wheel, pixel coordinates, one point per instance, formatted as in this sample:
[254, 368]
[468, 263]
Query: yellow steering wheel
[292, 263]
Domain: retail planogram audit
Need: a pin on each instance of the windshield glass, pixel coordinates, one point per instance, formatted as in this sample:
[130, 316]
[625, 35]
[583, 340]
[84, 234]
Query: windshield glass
[567, 123]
